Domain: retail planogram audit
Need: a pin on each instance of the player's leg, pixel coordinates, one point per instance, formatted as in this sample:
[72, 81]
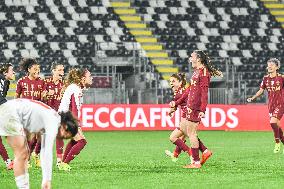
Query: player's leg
[274, 125]
[206, 153]
[5, 157]
[177, 133]
[178, 141]
[35, 154]
[21, 153]
[192, 135]
[74, 147]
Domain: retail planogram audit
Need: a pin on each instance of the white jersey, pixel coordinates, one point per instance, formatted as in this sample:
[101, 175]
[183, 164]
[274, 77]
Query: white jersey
[71, 100]
[20, 115]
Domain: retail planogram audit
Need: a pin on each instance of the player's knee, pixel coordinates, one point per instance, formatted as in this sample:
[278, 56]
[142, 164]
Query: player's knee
[23, 154]
[172, 138]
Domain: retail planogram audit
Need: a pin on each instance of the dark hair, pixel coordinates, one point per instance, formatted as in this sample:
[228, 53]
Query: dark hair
[4, 67]
[27, 63]
[54, 64]
[181, 78]
[70, 121]
[275, 61]
[206, 61]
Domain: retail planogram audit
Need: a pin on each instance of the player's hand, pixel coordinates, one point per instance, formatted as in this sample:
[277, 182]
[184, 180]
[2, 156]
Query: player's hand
[172, 104]
[249, 99]
[201, 115]
[46, 185]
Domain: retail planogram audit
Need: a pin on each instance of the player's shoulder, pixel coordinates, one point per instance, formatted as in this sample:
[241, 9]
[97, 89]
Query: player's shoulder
[204, 72]
[266, 76]
[23, 79]
[47, 80]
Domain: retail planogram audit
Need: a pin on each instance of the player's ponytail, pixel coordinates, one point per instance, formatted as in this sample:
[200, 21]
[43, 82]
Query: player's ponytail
[70, 121]
[206, 61]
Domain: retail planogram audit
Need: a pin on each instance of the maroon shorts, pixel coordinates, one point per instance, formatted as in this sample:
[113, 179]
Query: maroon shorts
[277, 112]
[192, 115]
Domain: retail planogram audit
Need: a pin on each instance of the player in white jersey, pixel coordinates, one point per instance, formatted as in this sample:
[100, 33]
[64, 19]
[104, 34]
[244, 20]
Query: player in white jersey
[19, 119]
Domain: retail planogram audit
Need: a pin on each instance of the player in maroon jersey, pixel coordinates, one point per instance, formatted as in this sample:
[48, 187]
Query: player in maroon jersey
[76, 80]
[178, 84]
[273, 83]
[31, 87]
[52, 97]
[197, 102]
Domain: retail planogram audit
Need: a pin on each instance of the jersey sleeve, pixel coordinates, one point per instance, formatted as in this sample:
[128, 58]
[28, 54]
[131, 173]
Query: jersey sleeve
[182, 98]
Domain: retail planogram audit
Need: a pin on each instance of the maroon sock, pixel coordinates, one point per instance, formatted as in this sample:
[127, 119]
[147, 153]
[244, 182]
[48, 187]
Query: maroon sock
[38, 147]
[59, 147]
[32, 144]
[202, 147]
[76, 149]
[177, 151]
[68, 148]
[275, 129]
[182, 146]
[195, 154]
[3, 151]
[281, 135]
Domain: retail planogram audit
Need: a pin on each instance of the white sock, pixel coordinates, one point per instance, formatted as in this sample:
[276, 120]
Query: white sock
[22, 181]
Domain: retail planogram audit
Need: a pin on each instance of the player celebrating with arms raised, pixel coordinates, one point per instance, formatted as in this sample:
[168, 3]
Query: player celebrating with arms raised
[273, 83]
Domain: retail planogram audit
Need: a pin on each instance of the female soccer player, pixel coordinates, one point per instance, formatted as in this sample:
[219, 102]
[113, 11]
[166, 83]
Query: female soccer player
[76, 80]
[273, 83]
[31, 87]
[197, 101]
[6, 74]
[20, 118]
[52, 97]
[178, 84]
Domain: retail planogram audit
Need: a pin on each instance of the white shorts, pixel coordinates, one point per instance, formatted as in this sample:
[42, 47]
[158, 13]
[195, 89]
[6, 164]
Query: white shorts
[10, 122]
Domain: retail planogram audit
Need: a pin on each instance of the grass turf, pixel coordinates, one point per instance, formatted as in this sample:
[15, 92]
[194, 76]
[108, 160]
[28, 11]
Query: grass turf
[137, 160]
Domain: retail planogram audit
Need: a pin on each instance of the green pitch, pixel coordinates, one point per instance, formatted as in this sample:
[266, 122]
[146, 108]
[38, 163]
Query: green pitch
[137, 160]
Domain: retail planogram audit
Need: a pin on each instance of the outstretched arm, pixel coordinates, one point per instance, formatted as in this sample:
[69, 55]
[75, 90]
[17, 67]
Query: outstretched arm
[257, 94]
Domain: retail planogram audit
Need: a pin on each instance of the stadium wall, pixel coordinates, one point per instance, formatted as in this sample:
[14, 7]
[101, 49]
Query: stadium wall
[110, 117]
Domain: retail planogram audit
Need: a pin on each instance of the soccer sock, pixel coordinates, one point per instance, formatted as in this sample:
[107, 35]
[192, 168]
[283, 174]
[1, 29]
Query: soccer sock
[76, 149]
[182, 146]
[281, 135]
[68, 148]
[177, 151]
[59, 149]
[195, 154]
[3, 151]
[22, 181]
[275, 129]
[38, 147]
[202, 147]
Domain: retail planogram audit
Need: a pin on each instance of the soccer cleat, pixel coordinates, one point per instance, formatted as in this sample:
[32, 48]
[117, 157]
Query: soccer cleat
[64, 167]
[171, 155]
[194, 165]
[9, 164]
[276, 148]
[205, 156]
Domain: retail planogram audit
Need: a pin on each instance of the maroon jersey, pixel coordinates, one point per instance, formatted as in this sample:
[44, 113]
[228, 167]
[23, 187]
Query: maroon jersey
[274, 87]
[53, 100]
[30, 89]
[180, 99]
[198, 93]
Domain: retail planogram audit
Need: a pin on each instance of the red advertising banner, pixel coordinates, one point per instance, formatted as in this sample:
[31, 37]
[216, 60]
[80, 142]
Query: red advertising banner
[106, 117]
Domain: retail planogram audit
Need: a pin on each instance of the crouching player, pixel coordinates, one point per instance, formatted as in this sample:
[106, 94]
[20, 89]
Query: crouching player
[20, 118]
